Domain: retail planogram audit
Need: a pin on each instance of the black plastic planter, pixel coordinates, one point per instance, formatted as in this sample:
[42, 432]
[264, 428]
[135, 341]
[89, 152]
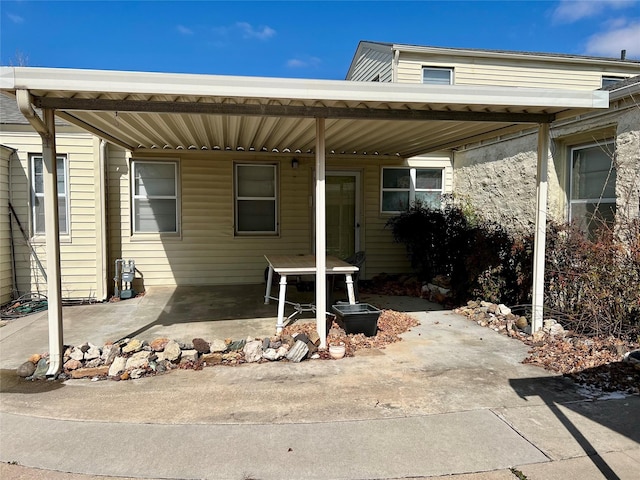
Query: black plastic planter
[358, 318]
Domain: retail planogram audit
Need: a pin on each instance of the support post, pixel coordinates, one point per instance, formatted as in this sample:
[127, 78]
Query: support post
[52, 236]
[321, 241]
[537, 304]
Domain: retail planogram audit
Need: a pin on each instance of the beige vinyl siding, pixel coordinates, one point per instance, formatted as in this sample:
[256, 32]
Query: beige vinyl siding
[78, 249]
[6, 268]
[372, 63]
[523, 73]
[206, 252]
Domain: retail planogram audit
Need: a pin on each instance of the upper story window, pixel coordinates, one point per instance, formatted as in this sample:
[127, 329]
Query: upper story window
[37, 187]
[592, 186]
[403, 187]
[256, 199]
[155, 196]
[610, 80]
[437, 75]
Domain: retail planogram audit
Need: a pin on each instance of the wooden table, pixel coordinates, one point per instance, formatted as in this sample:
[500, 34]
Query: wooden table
[285, 265]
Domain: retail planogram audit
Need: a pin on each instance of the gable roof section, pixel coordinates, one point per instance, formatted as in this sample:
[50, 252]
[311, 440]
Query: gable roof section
[10, 113]
[144, 111]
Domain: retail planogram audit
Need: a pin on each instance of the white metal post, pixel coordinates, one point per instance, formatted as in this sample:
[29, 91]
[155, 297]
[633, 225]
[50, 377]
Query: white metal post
[537, 304]
[52, 236]
[321, 240]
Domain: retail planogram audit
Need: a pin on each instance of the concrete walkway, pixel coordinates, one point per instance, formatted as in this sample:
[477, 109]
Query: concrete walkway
[452, 398]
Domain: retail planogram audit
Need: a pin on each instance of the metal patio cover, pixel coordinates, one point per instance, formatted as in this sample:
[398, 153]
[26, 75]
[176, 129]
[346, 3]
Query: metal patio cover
[144, 111]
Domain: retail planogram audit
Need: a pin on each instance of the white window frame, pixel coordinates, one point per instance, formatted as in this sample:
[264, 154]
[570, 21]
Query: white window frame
[134, 224]
[412, 187]
[440, 69]
[237, 198]
[65, 228]
[610, 146]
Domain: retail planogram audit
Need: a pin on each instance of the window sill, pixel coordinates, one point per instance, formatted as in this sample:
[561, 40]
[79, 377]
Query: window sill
[156, 237]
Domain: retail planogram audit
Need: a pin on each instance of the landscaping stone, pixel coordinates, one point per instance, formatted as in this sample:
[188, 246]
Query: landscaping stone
[237, 345]
[270, 354]
[189, 356]
[35, 358]
[117, 366]
[110, 353]
[212, 358]
[298, 352]
[172, 351]
[201, 345]
[77, 354]
[41, 369]
[26, 369]
[137, 373]
[92, 352]
[96, 362]
[138, 360]
[90, 372]
[159, 344]
[72, 364]
[217, 346]
[133, 346]
[253, 351]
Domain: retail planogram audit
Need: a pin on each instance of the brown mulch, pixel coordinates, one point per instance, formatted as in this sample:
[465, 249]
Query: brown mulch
[593, 361]
[391, 325]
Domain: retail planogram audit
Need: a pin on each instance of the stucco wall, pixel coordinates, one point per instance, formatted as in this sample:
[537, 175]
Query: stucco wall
[628, 164]
[499, 179]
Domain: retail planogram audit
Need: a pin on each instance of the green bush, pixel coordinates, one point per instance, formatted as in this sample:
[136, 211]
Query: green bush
[482, 260]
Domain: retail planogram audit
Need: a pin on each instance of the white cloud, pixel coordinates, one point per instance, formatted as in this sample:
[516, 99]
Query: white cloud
[303, 63]
[624, 36]
[261, 33]
[184, 30]
[569, 11]
[15, 18]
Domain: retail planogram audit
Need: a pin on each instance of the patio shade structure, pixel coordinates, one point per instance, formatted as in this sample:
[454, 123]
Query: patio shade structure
[142, 111]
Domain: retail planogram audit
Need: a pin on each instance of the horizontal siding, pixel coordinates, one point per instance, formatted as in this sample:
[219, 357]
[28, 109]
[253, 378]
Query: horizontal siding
[6, 270]
[372, 63]
[78, 250]
[207, 252]
[525, 73]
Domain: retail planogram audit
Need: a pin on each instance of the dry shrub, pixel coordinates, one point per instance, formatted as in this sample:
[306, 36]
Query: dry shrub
[593, 283]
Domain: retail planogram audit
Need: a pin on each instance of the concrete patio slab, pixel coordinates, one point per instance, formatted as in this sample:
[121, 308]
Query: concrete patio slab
[451, 398]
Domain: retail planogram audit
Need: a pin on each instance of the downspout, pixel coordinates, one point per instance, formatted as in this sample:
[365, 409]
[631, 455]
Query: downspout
[394, 65]
[104, 254]
[47, 133]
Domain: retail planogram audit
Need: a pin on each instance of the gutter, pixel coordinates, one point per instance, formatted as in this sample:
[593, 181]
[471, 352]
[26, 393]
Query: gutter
[23, 97]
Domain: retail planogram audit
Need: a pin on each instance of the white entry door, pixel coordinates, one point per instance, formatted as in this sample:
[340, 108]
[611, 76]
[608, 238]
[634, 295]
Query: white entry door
[342, 213]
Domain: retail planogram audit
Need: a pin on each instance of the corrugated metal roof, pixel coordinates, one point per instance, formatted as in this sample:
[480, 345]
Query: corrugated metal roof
[145, 111]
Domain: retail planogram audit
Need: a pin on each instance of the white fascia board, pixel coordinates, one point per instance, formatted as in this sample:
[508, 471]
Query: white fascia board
[220, 86]
[461, 52]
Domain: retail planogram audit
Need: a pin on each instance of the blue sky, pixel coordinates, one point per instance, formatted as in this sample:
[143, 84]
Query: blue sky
[302, 39]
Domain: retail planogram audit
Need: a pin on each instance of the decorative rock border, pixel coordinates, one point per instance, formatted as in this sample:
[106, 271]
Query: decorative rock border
[132, 358]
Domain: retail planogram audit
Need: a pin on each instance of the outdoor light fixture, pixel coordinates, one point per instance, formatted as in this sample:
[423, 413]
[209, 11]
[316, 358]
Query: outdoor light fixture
[295, 163]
